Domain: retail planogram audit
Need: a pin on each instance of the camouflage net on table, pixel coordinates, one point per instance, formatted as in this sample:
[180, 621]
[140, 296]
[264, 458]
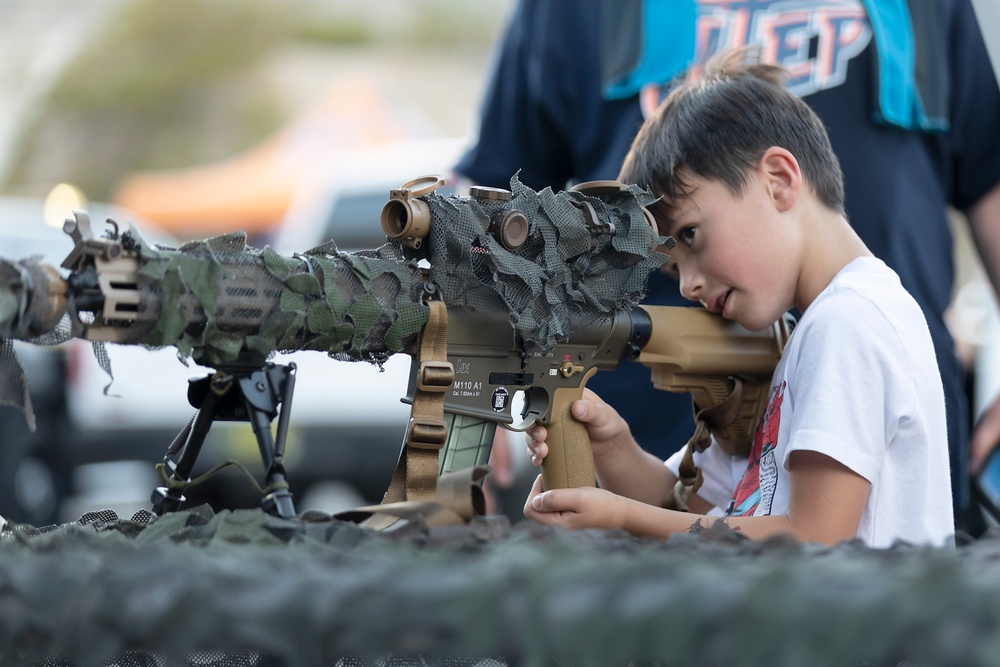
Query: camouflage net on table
[246, 588]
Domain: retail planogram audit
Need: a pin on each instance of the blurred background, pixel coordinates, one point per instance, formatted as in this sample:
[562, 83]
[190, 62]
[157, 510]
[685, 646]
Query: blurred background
[117, 97]
[190, 118]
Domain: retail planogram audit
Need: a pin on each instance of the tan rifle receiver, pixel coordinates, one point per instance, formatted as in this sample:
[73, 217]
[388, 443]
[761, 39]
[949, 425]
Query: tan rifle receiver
[688, 350]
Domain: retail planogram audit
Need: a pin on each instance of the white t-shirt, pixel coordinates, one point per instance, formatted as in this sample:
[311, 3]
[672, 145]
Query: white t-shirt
[858, 381]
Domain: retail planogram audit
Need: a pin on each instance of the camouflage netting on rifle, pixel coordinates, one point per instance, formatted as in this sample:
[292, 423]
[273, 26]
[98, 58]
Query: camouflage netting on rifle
[217, 299]
[565, 277]
[246, 588]
[367, 305]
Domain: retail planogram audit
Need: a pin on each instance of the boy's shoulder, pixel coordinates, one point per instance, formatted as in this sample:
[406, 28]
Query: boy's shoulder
[866, 306]
[866, 279]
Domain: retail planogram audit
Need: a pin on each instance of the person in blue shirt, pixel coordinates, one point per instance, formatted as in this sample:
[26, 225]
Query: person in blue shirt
[905, 90]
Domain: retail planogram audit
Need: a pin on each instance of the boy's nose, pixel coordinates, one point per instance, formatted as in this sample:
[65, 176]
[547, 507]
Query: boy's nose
[690, 284]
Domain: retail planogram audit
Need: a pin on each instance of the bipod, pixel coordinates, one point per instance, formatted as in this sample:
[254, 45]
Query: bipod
[247, 389]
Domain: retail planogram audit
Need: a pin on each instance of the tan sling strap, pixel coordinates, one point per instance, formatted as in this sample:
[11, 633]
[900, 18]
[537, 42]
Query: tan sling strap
[713, 417]
[426, 432]
[460, 497]
[416, 476]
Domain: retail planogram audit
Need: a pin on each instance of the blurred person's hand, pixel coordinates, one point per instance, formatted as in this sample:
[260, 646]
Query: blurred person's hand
[503, 475]
[985, 437]
[983, 217]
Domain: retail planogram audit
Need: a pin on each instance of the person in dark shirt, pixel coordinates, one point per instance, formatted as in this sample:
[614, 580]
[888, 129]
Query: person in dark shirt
[905, 90]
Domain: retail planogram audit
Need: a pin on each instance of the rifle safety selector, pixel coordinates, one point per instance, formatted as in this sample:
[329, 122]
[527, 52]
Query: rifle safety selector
[569, 369]
[508, 226]
[406, 218]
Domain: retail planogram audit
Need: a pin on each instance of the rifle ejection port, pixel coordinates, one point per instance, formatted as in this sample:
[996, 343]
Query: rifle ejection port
[516, 379]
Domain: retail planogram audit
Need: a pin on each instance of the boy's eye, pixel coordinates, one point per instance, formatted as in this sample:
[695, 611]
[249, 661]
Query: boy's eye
[686, 235]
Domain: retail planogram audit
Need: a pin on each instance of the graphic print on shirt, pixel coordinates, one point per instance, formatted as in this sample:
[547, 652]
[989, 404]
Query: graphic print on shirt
[814, 41]
[755, 492]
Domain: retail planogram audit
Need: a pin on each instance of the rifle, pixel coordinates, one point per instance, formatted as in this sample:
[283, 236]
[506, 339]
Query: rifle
[525, 276]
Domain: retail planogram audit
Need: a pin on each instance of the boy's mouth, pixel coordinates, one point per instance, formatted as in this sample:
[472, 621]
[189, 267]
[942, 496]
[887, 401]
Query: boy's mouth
[718, 304]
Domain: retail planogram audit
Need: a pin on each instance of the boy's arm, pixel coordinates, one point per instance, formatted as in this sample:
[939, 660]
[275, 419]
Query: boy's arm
[825, 505]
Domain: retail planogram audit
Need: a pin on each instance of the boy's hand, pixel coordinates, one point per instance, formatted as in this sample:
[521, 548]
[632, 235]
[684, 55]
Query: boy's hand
[576, 508]
[603, 423]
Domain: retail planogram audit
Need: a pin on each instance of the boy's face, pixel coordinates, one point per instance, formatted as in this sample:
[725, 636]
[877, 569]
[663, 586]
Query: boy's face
[733, 252]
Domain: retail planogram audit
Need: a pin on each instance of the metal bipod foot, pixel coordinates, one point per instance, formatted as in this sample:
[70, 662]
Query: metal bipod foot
[242, 391]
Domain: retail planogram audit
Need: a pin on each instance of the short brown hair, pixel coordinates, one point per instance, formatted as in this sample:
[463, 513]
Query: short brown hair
[719, 126]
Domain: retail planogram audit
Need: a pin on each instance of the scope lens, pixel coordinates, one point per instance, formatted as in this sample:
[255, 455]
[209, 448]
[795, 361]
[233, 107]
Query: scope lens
[395, 218]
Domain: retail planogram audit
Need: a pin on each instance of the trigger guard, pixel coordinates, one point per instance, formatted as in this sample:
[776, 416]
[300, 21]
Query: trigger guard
[523, 426]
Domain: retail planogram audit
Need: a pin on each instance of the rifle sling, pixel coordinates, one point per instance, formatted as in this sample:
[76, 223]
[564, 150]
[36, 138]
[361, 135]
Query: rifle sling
[460, 498]
[689, 475]
[416, 475]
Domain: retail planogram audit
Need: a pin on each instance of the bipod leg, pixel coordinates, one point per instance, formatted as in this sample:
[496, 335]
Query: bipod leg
[170, 499]
[262, 392]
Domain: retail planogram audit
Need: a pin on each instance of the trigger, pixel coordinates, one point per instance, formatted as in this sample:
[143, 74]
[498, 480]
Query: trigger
[528, 417]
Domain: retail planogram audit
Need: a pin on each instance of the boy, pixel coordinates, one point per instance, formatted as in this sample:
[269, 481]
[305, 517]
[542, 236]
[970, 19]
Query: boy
[853, 441]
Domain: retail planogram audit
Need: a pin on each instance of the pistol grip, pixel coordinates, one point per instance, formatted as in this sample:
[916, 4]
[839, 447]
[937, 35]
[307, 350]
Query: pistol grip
[570, 461]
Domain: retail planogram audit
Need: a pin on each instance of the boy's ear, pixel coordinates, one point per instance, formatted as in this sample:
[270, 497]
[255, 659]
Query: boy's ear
[782, 175]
